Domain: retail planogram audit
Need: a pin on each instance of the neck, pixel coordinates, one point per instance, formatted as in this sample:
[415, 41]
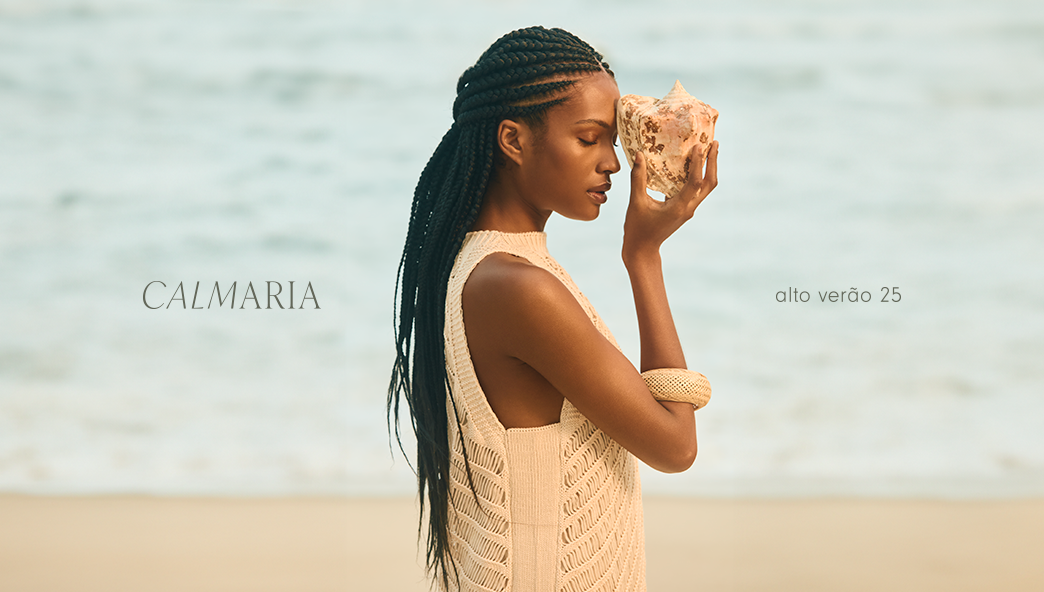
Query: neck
[504, 208]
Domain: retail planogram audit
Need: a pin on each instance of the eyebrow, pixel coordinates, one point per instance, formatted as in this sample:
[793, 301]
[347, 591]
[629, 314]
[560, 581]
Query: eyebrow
[596, 121]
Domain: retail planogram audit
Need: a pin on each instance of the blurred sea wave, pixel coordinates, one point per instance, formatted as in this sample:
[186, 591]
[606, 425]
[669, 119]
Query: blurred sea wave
[864, 145]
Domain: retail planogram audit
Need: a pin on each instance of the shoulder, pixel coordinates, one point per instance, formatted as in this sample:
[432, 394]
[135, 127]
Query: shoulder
[506, 279]
[518, 299]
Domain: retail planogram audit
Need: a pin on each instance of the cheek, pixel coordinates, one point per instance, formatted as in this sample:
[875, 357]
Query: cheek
[552, 168]
[568, 164]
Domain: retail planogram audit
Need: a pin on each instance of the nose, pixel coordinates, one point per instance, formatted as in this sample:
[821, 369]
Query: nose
[610, 164]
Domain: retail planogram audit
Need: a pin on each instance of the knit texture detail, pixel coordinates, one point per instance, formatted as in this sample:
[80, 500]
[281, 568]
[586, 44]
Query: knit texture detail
[595, 497]
[678, 384]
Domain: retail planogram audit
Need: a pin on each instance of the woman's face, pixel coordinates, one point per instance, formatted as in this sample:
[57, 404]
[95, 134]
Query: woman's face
[568, 170]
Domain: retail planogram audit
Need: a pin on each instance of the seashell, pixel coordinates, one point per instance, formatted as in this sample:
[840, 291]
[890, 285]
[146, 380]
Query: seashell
[666, 130]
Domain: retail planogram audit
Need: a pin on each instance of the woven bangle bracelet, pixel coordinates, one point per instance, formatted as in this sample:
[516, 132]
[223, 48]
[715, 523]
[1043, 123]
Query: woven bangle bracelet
[678, 384]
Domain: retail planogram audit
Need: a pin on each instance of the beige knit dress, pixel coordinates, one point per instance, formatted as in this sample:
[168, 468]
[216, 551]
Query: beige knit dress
[561, 505]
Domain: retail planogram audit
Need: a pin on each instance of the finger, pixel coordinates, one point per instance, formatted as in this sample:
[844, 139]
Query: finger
[697, 158]
[711, 179]
[639, 176]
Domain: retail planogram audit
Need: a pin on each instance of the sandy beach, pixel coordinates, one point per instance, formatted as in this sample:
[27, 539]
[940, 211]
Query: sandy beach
[346, 544]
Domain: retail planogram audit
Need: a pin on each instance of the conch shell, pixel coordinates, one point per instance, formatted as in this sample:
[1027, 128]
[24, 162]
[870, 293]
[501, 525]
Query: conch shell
[666, 130]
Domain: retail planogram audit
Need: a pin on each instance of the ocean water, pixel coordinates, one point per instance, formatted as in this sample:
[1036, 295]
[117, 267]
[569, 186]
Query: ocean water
[878, 146]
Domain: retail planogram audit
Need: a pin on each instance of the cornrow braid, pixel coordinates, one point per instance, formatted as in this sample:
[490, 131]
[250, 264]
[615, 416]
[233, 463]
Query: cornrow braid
[497, 97]
[518, 77]
[501, 78]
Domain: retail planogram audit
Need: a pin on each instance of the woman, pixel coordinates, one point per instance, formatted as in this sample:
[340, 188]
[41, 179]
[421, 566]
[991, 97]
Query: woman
[528, 417]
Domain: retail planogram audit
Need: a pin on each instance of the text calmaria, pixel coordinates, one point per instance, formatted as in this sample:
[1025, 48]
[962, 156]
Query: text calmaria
[155, 296]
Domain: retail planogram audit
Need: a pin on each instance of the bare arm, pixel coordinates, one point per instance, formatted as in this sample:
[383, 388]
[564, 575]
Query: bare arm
[661, 347]
[540, 324]
[648, 224]
[537, 322]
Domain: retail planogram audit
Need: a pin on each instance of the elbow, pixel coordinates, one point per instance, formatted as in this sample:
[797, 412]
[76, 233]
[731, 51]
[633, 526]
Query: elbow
[681, 458]
[686, 455]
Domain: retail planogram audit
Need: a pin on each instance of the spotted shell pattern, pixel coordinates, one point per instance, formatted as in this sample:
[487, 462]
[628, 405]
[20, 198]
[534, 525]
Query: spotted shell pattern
[666, 130]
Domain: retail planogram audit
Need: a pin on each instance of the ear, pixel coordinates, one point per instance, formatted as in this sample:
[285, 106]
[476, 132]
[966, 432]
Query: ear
[513, 139]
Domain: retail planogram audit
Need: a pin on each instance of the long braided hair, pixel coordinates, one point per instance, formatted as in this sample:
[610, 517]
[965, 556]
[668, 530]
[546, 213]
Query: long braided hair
[521, 76]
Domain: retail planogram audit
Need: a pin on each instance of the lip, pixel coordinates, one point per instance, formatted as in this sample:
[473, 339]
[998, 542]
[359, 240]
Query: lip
[597, 193]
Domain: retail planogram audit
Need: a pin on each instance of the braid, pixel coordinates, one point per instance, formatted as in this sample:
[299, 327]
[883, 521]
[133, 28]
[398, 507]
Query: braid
[518, 77]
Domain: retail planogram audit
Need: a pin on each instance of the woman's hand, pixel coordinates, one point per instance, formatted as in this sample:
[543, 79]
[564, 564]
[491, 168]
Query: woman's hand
[650, 222]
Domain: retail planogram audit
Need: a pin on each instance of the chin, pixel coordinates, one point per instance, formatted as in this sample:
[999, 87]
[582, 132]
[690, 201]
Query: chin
[585, 216]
